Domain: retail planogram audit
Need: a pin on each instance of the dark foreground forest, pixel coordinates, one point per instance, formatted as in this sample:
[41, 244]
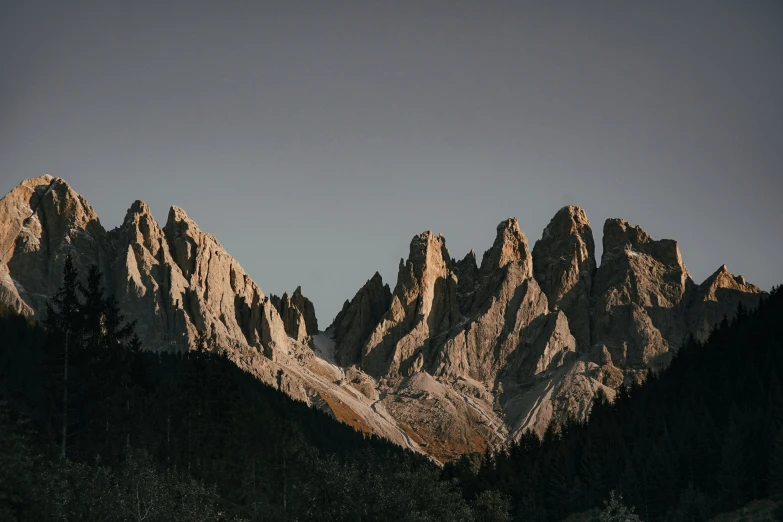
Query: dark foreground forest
[702, 437]
[92, 427]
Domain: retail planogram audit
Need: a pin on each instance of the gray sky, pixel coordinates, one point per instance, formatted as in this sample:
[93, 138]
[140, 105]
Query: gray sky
[314, 139]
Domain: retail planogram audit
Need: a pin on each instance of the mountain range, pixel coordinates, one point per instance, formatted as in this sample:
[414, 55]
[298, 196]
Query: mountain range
[458, 357]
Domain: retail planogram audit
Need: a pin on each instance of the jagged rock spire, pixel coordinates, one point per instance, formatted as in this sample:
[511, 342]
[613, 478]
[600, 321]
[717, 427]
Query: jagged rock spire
[424, 304]
[510, 246]
[358, 318]
[305, 306]
[717, 297]
[564, 266]
[42, 220]
[467, 281]
[464, 357]
[640, 292]
[298, 315]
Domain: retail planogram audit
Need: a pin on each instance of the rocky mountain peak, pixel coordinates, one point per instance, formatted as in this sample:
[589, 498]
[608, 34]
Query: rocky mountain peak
[140, 222]
[42, 222]
[183, 237]
[358, 318]
[723, 279]
[640, 292]
[510, 246]
[619, 235]
[428, 255]
[298, 315]
[138, 208]
[177, 214]
[308, 310]
[717, 297]
[293, 320]
[467, 281]
[424, 303]
[564, 266]
[622, 238]
[459, 358]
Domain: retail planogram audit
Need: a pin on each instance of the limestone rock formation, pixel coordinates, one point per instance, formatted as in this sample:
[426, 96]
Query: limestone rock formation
[424, 304]
[43, 221]
[564, 266]
[460, 357]
[640, 293]
[717, 297]
[298, 314]
[358, 318]
[467, 281]
[176, 282]
[293, 320]
[507, 301]
[148, 284]
[305, 306]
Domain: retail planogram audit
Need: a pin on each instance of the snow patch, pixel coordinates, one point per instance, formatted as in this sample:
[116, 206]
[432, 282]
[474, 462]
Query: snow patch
[324, 347]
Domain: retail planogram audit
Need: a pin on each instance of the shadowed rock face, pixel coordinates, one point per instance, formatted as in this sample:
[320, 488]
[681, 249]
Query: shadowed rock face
[298, 314]
[358, 318]
[458, 358]
[467, 281]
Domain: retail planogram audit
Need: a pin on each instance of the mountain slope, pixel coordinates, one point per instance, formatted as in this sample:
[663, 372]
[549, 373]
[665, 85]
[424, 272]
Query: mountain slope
[457, 358]
[703, 436]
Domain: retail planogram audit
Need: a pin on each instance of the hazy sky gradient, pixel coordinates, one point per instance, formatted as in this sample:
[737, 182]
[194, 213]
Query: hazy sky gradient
[314, 139]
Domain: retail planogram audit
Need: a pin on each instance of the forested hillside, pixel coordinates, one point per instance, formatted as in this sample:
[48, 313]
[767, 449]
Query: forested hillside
[702, 437]
[94, 428]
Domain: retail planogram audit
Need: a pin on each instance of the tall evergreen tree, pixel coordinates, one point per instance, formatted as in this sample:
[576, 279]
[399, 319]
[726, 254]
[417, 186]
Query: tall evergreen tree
[63, 320]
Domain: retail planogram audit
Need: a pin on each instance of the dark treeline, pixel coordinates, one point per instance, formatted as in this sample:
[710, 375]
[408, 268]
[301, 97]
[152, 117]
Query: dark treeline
[94, 428]
[701, 437]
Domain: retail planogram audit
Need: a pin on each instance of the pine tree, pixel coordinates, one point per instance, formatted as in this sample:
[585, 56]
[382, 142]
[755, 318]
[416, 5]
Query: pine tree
[63, 320]
[616, 511]
[775, 481]
[731, 472]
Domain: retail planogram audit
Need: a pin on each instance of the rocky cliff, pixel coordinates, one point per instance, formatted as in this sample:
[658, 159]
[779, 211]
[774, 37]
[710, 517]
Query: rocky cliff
[457, 358]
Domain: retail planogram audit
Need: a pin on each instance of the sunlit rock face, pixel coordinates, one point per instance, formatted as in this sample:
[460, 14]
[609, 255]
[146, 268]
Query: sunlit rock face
[717, 297]
[564, 266]
[423, 305]
[458, 357]
[641, 292]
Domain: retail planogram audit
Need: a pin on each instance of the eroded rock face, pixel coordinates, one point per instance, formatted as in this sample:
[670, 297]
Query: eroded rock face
[467, 282]
[564, 266]
[640, 292]
[459, 358]
[717, 297]
[480, 347]
[148, 284]
[358, 318]
[298, 315]
[305, 306]
[424, 304]
[221, 297]
[293, 319]
[176, 282]
[44, 221]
